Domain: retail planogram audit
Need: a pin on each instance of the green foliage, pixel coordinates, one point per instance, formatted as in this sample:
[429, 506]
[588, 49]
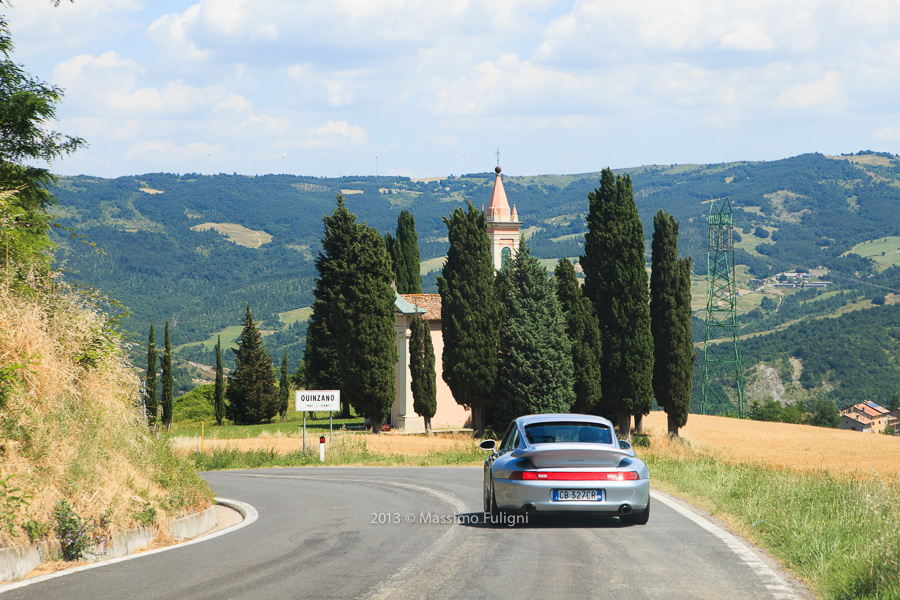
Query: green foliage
[535, 370]
[167, 401]
[772, 410]
[12, 500]
[889, 430]
[284, 388]
[583, 333]
[670, 322]
[470, 314]
[73, 530]
[152, 395]
[36, 530]
[823, 413]
[143, 512]
[367, 350]
[422, 372]
[219, 386]
[28, 106]
[251, 393]
[894, 404]
[9, 381]
[616, 283]
[196, 405]
[322, 362]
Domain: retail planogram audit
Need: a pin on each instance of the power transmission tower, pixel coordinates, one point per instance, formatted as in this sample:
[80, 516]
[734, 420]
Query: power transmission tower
[720, 348]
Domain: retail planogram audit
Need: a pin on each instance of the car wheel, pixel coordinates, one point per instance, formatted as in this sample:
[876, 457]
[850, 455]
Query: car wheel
[637, 518]
[496, 513]
[487, 495]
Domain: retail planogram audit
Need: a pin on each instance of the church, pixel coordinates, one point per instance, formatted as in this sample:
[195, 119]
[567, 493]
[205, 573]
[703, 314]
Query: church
[503, 230]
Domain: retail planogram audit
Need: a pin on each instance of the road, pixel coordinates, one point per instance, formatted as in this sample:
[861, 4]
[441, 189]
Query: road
[419, 533]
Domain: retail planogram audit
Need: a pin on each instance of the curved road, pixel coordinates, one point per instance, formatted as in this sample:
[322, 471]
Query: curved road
[419, 533]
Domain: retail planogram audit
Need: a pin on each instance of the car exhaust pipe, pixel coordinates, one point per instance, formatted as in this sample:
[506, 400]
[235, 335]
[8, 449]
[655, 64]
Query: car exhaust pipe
[625, 509]
[529, 508]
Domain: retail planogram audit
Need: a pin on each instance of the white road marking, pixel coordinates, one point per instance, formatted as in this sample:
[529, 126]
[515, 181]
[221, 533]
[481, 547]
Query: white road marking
[773, 582]
[250, 515]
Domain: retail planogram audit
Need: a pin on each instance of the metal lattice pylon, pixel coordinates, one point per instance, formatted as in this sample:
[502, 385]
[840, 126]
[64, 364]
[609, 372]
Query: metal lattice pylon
[720, 348]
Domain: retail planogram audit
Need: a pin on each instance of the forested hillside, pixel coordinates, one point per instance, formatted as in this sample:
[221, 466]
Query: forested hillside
[195, 249]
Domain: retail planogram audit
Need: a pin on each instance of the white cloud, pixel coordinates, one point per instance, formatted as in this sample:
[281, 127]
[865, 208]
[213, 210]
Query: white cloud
[170, 34]
[825, 92]
[336, 134]
[171, 151]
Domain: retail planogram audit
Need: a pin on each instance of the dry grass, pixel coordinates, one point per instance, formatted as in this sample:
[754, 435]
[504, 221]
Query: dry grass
[385, 444]
[786, 446]
[237, 233]
[69, 430]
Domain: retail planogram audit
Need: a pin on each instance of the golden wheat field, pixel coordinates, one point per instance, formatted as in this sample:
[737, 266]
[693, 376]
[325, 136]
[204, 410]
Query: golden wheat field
[784, 445]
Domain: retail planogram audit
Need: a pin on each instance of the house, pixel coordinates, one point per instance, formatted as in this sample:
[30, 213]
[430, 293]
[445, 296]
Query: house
[856, 422]
[503, 230]
[865, 416]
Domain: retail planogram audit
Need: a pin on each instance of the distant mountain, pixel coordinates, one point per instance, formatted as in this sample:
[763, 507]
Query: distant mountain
[196, 249]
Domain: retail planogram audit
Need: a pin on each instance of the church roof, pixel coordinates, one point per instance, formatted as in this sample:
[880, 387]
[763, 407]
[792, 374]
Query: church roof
[430, 303]
[498, 209]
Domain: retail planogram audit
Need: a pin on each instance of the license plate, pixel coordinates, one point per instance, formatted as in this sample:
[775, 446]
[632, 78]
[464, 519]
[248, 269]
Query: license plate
[588, 495]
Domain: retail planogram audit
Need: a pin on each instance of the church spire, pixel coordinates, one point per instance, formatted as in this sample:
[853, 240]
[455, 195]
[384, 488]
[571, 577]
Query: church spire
[502, 224]
[498, 208]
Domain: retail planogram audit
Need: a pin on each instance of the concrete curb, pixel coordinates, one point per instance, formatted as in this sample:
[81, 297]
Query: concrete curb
[18, 562]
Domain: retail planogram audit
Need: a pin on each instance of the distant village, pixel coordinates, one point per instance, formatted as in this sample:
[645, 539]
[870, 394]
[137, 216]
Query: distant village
[793, 280]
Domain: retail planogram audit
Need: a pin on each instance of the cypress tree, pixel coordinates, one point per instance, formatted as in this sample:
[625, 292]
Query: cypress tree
[251, 390]
[150, 379]
[322, 365]
[422, 372]
[616, 283]
[470, 314]
[219, 393]
[168, 383]
[284, 387]
[366, 337]
[535, 363]
[671, 342]
[584, 335]
[406, 255]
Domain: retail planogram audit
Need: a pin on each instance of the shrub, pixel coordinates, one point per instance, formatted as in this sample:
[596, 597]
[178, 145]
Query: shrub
[74, 532]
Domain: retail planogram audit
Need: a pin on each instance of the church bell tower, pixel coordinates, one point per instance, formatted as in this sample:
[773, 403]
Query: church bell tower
[502, 225]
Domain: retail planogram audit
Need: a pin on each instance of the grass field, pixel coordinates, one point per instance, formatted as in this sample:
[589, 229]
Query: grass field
[884, 251]
[297, 315]
[238, 234]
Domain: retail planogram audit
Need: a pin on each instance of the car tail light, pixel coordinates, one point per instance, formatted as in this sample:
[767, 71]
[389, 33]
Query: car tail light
[575, 475]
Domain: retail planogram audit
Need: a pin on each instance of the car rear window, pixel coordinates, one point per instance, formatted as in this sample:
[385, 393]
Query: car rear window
[564, 431]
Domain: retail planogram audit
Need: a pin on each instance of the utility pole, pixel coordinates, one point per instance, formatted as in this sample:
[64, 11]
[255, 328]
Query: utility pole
[721, 352]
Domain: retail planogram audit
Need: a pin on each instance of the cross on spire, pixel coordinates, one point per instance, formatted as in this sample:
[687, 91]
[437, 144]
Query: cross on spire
[498, 157]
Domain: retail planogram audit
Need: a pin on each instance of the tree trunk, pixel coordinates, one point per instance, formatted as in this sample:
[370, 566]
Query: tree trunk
[478, 421]
[428, 425]
[625, 426]
[375, 424]
[639, 423]
[673, 426]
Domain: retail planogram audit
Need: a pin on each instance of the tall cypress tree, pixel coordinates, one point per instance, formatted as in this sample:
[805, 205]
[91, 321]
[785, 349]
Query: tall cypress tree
[168, 383]
[679, 403]
[584, 335]
[422, 372]
[616, 283]
[251, 390]
[322, 365]
[470, 314]
[366, 337]
[219, 393]
[535, 359]
[406, 255]
[150, 379]
[284, 388]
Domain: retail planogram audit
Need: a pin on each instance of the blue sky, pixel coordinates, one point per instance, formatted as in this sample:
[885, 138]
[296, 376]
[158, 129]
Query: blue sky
[431, 88]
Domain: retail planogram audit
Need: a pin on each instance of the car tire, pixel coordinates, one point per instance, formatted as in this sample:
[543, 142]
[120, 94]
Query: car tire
[496, 513]
[637, 518]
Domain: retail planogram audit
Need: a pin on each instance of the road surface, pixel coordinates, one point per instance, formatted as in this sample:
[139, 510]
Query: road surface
[419, 533]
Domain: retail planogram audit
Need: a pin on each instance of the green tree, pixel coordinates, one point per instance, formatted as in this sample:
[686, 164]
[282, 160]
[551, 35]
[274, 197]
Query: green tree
[894, 403]
[284, 387]
[422, 371]
[584, 335]
[322, 364]
[823, 413]
[150, 379]
[535, 364]
[168, 383]
[616, 283]
[406, 255]
[251, 390]
[670, 323]
[470, 314]
[219, 390]
[27, 107]
[366, 345]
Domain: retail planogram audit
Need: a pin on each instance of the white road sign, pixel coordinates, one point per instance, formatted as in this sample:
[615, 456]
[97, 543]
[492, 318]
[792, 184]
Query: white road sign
[318, 400]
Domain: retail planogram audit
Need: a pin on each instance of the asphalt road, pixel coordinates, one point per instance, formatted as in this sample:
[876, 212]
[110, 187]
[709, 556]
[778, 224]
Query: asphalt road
[419, 533]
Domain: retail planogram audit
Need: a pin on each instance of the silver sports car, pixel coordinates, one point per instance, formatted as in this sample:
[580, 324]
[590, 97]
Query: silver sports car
[561, 463]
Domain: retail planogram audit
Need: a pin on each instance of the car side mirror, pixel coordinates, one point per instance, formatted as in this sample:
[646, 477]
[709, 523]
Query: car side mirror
[626, 446]
[488, 444]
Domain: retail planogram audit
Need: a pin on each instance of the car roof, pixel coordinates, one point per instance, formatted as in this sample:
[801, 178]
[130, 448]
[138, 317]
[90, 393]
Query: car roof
[558, 417]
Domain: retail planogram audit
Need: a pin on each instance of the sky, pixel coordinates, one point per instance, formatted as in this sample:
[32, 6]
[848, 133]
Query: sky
[434, 88]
